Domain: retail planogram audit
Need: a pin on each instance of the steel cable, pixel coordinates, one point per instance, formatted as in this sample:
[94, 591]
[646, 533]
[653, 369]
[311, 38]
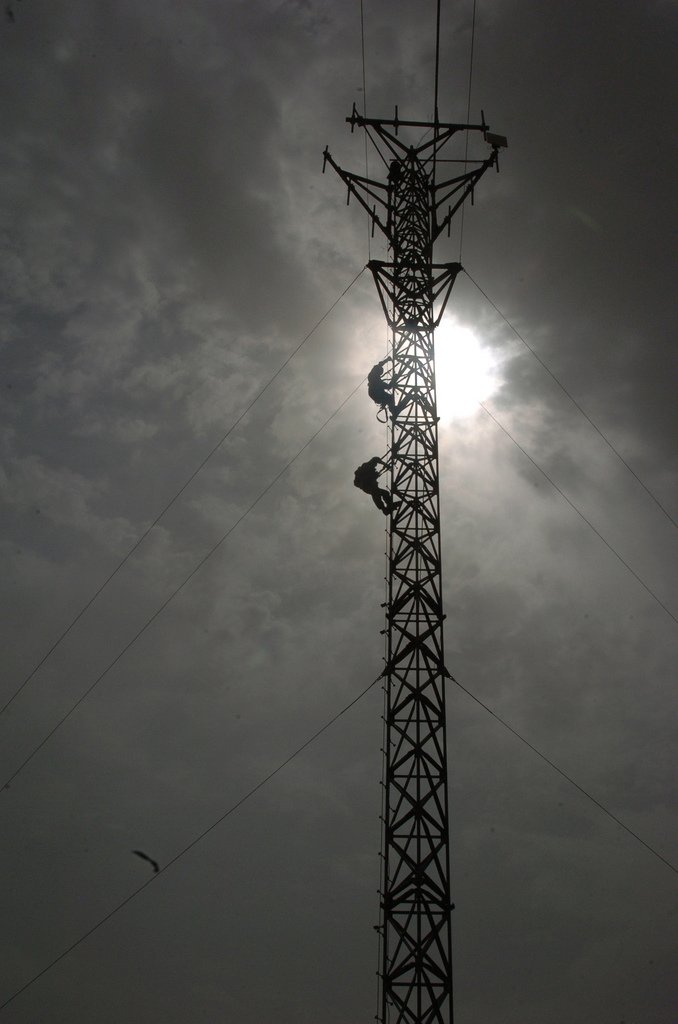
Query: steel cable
[168, 506]
[178, 590]
[573, 400]
[279, 768]
[190, 846]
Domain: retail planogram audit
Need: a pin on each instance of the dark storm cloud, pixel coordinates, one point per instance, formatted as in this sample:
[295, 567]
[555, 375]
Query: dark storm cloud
[167, 240]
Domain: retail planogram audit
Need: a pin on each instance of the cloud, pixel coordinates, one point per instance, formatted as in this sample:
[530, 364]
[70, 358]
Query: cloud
[168, 240]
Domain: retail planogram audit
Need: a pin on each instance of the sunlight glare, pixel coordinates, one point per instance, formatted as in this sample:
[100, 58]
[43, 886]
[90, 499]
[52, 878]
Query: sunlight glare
[466, 373]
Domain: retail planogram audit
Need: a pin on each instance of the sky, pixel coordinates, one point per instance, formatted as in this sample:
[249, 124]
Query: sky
[167, 240]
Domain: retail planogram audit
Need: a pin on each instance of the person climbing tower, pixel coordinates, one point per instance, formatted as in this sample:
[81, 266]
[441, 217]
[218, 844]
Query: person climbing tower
[395, 171]
[366, 478]
[376, 388]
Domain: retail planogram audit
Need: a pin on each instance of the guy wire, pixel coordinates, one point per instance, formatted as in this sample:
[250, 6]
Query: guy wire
[468, 118]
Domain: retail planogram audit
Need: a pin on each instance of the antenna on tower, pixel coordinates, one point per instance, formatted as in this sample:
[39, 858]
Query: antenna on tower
[412, 209]
[435, 92]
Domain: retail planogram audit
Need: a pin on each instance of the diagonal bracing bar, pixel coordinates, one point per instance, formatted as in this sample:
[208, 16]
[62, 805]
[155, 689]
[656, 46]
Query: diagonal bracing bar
[415, 930]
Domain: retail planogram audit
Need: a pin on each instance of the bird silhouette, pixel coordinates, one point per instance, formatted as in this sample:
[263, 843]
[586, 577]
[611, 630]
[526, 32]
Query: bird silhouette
[144, 856]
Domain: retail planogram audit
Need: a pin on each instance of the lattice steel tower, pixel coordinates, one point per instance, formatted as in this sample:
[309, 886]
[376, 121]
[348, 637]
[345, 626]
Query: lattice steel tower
[412, 208]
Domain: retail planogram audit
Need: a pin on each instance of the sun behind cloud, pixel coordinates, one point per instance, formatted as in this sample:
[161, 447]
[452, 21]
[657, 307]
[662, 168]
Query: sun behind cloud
[466, 372]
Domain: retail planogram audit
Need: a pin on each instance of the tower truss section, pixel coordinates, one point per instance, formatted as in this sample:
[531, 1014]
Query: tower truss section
[412, 208]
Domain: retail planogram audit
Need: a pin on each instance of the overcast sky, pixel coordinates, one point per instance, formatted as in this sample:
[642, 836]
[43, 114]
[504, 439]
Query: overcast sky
[167, 239]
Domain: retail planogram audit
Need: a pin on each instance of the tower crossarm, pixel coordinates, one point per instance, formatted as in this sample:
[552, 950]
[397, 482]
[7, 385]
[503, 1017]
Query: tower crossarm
[360, 187]
[458, 189]
[374, 195]
[388, 285]
[442, 131]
